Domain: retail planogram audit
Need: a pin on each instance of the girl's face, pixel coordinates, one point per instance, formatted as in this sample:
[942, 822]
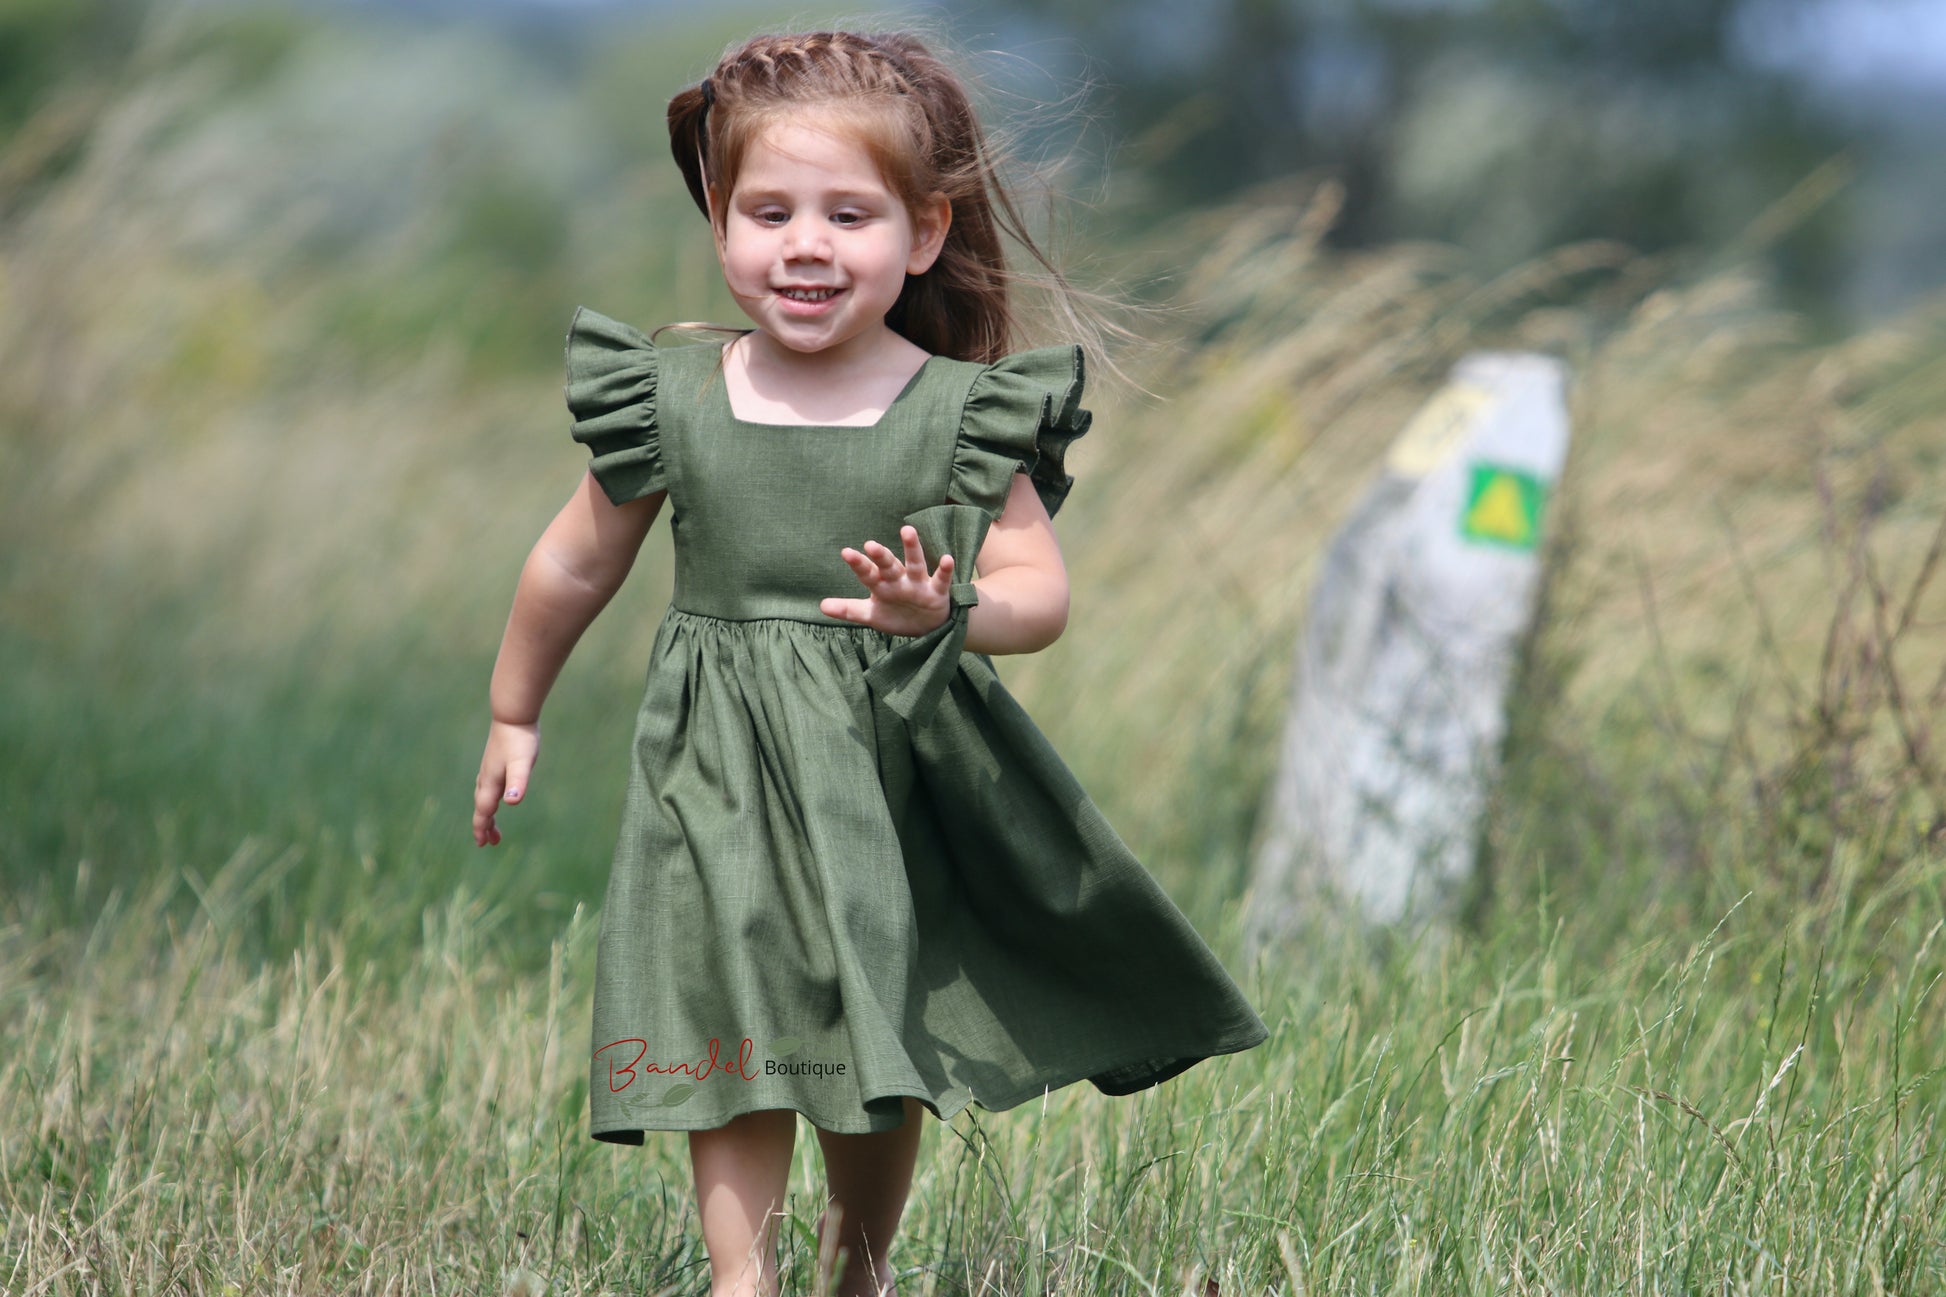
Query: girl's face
[810, 213]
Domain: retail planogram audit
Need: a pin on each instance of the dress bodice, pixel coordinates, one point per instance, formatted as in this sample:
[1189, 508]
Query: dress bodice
[762, 510]
[759, 512]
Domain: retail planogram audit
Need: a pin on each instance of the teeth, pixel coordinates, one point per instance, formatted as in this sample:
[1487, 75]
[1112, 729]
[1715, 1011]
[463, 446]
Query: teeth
[801, 295]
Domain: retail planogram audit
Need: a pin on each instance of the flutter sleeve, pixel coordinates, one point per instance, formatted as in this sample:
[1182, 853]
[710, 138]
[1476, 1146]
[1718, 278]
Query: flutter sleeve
[611, 391]
[1022, 412]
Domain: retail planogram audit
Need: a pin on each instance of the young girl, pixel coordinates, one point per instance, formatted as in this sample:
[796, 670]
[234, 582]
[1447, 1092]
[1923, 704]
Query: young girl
[854, 880]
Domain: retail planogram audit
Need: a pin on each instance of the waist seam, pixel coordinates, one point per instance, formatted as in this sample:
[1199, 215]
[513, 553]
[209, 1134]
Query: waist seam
[801, 621]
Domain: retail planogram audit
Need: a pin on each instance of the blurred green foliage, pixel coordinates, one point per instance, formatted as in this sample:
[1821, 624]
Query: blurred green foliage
[1499, 127]
[292, 333]
[46, 43]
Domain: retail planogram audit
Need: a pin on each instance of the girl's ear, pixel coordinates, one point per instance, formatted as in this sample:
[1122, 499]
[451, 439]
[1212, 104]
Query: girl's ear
[929, 234]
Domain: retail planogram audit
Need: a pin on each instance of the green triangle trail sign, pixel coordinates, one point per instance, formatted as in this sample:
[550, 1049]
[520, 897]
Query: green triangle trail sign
[1503, 507]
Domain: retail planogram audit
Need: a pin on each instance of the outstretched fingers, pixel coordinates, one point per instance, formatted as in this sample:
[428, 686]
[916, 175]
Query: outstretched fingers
[888, 565]
[915, 557]
[890, 582]
[875, 563]
[915, 550]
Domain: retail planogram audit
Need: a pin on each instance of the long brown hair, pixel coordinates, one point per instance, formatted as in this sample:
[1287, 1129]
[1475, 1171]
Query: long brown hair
[914, 118]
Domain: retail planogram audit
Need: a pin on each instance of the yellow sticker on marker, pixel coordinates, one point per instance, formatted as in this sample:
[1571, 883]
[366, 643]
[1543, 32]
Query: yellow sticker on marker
[1437, 430]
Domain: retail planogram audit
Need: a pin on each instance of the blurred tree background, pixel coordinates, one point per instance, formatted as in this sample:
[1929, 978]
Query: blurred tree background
[1505, 127]
[283, 288]
[1497, 127]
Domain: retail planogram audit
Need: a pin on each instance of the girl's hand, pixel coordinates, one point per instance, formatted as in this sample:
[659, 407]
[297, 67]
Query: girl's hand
[511, 751]
[904, 600]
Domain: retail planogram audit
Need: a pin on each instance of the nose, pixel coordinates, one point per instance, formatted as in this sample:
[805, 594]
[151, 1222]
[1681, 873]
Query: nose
[805, 240]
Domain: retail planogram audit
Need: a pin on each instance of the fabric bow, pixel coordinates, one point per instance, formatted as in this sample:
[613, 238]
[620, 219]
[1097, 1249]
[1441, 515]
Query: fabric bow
[910, 678]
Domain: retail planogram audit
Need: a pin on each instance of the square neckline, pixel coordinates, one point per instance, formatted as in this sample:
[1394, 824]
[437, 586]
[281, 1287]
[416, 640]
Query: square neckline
[723, 399]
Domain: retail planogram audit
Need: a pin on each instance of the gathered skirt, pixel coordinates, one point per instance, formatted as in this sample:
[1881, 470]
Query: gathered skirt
[817, 906]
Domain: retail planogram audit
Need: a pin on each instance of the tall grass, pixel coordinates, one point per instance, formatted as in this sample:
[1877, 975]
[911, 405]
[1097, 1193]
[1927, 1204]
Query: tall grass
[273, 1024]
[1743, 1108]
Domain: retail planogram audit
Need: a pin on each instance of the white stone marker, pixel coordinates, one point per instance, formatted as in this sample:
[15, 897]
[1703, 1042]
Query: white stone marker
[1395, 723]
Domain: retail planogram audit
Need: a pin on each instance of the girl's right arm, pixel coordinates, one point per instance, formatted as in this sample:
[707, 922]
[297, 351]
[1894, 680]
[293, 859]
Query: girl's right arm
[572, 572]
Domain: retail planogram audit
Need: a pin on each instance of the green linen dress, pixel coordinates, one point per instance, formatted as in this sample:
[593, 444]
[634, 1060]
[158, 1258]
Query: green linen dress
[850, 867]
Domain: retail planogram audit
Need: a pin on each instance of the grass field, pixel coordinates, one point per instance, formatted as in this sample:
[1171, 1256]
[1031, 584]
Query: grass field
[272, 1024]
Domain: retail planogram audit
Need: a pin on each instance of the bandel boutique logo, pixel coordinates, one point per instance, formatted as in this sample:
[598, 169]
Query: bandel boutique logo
[629, 1070]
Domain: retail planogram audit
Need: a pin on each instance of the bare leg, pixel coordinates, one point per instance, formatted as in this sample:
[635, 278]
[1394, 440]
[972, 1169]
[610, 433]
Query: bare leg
[741, 1170]
[869, 1176]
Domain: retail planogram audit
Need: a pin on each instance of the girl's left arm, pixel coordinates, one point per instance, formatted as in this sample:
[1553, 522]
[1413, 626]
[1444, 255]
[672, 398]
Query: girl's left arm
[1022, 581]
